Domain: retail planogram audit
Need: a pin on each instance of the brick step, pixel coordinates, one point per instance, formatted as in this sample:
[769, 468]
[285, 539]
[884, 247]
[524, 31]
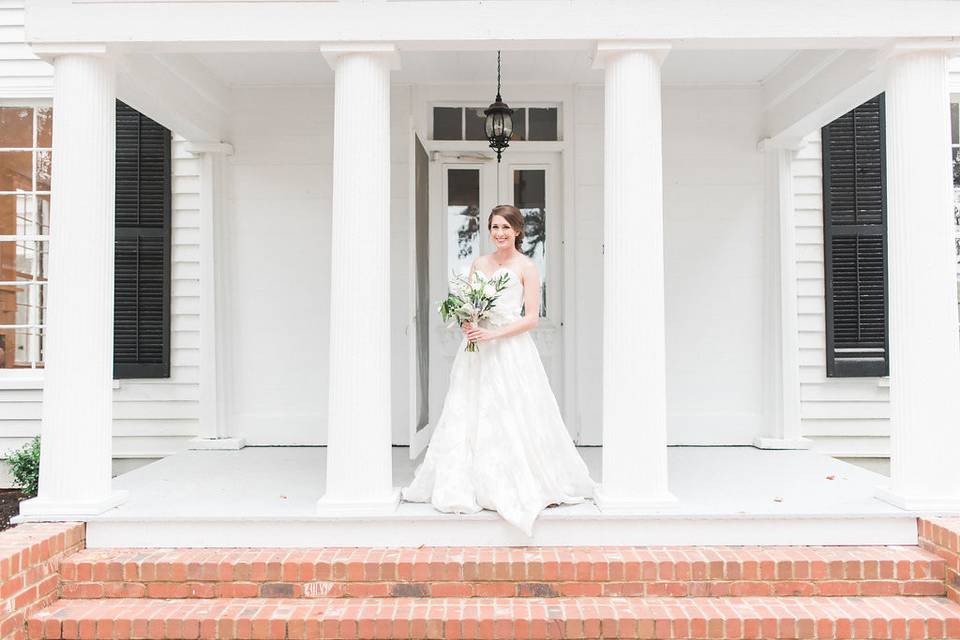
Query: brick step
[502, 572]
[585, 617]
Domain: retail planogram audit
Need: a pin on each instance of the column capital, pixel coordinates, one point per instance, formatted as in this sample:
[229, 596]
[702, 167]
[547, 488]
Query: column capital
[606, 49]
[333, 51]
[49, 51]
[906, 46]
[198, 148]
[789, 144]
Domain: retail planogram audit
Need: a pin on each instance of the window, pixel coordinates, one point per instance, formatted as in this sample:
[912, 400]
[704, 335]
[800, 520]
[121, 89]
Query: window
[467, 123]
[855, 242]
[25, 155]
[142, 251]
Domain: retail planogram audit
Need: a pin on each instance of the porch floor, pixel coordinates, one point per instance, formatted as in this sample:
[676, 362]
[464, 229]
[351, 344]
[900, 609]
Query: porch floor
[266, 496]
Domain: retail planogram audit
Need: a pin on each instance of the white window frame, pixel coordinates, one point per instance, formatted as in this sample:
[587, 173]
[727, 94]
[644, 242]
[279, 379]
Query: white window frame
[463, 105]
[32, 376]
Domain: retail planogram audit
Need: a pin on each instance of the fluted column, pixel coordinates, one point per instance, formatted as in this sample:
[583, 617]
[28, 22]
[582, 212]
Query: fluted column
[359, 468]
[75, 463]
[634, 339]
[781, 373]
[924, 343]
[215, 371]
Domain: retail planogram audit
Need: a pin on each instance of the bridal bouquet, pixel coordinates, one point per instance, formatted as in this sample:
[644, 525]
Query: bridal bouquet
[470, 300]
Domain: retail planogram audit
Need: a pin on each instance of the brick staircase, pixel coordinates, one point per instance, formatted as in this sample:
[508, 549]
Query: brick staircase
[510, 592]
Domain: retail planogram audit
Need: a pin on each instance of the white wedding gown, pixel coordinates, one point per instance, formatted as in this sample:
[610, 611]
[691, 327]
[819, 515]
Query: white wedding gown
[500, 442]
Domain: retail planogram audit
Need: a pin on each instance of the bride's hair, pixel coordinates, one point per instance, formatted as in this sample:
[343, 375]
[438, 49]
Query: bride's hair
[513, 217]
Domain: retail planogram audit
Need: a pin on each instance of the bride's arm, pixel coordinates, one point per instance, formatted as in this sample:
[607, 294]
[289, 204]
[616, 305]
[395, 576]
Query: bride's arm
[531, 305]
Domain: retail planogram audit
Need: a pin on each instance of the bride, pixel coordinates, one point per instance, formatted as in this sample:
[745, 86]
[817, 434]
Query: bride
[500, 442]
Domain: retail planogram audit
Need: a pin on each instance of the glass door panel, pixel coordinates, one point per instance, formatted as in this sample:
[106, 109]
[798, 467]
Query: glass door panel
[530, 182]
[530, 196]
[463, 219]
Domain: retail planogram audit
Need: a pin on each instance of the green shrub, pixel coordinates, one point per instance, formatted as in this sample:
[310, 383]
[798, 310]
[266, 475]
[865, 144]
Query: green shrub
[25, 466]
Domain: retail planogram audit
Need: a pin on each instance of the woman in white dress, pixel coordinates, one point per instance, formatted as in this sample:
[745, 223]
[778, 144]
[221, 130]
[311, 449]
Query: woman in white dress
[500, 442]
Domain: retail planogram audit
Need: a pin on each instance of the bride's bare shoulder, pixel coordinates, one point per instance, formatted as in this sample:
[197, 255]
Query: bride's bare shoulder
[528, 269]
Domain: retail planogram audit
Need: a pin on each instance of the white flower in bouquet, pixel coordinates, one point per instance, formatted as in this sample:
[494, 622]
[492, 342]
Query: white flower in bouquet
[471, 300]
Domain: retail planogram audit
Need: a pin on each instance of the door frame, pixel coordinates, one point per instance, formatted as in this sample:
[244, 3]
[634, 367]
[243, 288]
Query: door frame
[423, 97]
[563, 281]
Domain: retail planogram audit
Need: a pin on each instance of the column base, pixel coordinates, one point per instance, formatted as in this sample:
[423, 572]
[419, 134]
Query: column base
[780, 443]
[629, 503]
[216, 444]
[331, 507]
[940, 504]
[43, 510]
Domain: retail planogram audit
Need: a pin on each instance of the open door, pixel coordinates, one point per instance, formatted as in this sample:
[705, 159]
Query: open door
[420, 425]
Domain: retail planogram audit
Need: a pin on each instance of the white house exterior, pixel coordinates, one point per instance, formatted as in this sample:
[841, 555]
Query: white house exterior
[153, 418]
[294, 120]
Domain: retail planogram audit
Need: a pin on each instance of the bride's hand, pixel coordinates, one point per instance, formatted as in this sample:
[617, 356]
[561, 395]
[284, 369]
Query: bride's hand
[466, 327]
[479, 334]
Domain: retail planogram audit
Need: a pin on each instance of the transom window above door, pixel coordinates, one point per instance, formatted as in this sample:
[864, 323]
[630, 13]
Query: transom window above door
[530, 123]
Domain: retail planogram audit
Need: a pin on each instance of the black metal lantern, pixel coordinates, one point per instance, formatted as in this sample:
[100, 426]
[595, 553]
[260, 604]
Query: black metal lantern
[499, 124]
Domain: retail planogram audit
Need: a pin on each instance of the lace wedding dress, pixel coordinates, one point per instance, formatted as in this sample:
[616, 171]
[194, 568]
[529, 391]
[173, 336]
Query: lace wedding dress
[500, 442]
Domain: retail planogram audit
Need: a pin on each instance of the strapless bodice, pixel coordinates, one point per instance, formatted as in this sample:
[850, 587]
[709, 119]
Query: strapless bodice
[510, 302]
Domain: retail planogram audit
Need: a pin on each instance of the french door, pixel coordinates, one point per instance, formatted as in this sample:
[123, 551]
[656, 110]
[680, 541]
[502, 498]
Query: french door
[463, 190]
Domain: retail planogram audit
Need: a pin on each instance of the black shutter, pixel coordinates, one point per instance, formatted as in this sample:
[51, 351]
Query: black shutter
[855, 242]
[141, 323]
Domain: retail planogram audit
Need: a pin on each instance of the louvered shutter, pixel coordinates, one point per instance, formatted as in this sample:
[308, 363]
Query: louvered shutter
[141, 325]
[855, 242]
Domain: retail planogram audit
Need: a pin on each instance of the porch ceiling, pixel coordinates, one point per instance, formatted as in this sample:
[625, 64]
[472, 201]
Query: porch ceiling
[682, 67]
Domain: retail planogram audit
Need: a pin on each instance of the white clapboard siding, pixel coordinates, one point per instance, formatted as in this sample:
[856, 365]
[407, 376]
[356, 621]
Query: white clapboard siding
[23, 74]
[152, 418]
[842, 416]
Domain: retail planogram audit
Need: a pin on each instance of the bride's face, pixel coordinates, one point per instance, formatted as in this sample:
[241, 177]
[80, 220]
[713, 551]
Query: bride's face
[501, 233]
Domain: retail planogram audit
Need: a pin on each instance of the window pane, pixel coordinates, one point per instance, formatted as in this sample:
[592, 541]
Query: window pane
[43, 170]
[463, 219]
[519, 124]
[9, 206]
[16, 127]
[955, 122]
[23, 260]
[21, 348]
[19, 215]
[447, 123]
[41, 216]
[956, 168]
[530, 196]
[16, 170]
[45, 127]
[543, 123]
[20, 304]
[476, 123]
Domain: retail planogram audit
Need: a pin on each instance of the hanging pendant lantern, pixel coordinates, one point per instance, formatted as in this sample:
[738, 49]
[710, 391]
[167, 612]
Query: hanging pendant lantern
[499, 123]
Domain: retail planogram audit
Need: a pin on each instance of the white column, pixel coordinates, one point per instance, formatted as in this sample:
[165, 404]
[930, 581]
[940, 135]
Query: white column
[924, 343]
[215, 372]
[634, 342]
[359, 465]
[75, 462]
[781, 378]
